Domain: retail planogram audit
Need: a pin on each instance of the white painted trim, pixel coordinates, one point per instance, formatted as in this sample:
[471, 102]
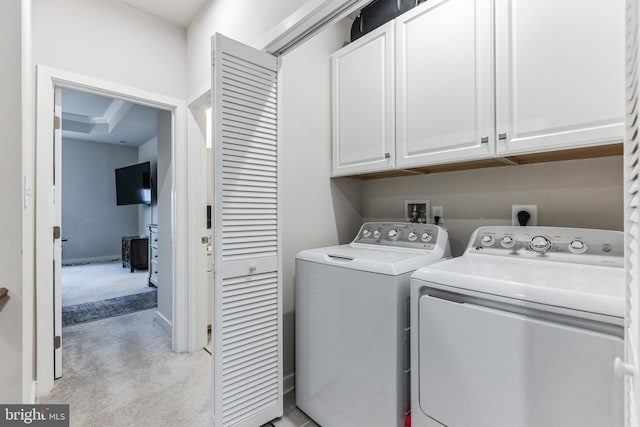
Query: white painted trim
[198, 267]
[202, 96]
[164, 322]
[280, 204]
[32, 392]
[289, 383]
[182, 287]
[197, 226]
[306, 21]
[28, 211]
[44, 225]
[105, 258]
[47, 78]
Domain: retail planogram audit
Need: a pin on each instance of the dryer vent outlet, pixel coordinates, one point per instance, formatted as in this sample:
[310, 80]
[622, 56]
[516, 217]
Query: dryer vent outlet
[523, 210]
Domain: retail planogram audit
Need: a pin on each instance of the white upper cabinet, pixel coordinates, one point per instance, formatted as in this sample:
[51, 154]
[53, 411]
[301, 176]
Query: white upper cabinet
[444, 83]
[363, 104]
[559, 74]
[478, 79]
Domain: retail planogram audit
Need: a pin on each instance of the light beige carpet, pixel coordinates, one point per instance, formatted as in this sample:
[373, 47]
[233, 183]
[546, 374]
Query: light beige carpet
[100, 281]
[121, 372]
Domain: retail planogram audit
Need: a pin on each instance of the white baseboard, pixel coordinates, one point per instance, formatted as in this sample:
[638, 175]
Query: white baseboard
[164, 322]
[92, 259]
[32, 393]
[289, 383]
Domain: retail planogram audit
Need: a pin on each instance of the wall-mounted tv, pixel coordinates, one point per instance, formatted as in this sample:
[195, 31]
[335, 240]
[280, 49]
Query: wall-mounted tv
[133, 184]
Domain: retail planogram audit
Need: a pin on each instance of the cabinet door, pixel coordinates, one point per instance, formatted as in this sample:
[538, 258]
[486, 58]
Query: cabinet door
[444, 83]
[559, 74]
[363, 104]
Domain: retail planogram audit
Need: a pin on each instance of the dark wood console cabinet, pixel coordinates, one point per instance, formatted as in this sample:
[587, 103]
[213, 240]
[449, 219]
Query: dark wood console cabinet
[135, 252]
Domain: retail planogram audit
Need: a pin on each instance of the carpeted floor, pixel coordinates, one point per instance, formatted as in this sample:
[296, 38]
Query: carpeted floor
[90, 311]
[100, 281]
[121, 372]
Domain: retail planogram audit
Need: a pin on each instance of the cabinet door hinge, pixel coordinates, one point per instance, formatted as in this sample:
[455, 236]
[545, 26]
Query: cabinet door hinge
[57, 342]
[56, 123]
[56, 232]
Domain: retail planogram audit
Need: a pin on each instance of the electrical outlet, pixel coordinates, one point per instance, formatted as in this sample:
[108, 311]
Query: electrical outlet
[437, 211]
[531, 209]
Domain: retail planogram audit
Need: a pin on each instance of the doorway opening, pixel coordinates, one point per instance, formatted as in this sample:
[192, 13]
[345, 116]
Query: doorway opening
[109, 207]
[173, 302]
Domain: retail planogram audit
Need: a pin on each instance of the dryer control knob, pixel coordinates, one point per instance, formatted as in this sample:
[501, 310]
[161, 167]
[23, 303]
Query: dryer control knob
[577, 247]
[426, 237]
[393, 234]
[412, 236]
[366, 232]
[507, 242]
[487, 240]
[376, 234]
[540, 244]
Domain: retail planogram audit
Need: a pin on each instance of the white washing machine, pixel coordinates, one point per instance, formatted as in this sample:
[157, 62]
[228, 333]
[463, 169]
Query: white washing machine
[352, 324]
[522, 330]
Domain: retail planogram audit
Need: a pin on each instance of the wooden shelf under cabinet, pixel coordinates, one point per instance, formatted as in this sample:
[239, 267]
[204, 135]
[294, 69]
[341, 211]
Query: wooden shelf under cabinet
[549, 156]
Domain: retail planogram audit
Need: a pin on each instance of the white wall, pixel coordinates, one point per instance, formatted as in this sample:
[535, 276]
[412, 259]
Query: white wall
[148, 214]
[316, 210]
[11, 320]
[575, 193]
[245, 21]
[165, 244]
[112, 41]
[91, 220]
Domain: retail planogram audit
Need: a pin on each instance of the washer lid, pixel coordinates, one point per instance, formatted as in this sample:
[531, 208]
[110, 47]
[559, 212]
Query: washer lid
[595, 289]
[375, 259]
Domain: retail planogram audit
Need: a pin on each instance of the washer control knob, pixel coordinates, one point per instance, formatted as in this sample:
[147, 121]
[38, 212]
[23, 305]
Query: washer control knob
[507, 242]
[540, 244]
[393, 234]
[487, 240]
[577, 247]
[426, 237]
[366, 232]
[376, 234]
[412, 236]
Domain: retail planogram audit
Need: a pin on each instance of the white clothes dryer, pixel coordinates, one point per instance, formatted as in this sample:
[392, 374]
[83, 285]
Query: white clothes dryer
[352, 324]
[522, 330]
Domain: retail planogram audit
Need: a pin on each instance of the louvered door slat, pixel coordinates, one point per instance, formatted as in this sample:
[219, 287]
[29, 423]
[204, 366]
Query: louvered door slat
[253, 321]
[256, 117]
[232, 106]
[247, 296]
[252, 364]
[245, 67]
[632, 215]
[250, 361]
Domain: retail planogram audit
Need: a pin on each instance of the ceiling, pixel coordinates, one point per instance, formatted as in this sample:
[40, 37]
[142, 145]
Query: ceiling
[90, 117]
[178, 12]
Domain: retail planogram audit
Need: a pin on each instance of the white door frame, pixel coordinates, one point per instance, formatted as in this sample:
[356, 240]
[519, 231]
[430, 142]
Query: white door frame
[197, 217]
[184, 292]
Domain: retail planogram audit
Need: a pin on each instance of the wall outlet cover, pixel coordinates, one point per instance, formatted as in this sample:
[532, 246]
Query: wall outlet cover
[437, 211]
[532, 209]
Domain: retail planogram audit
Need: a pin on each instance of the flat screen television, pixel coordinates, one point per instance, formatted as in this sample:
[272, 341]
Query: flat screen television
[133, 184]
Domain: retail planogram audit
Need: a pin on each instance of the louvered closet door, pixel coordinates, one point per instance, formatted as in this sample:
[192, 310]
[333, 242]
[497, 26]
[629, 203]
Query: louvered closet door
[632, 218]
[247, 320]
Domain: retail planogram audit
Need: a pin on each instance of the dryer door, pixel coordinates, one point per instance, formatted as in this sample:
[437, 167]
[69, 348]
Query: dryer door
[485, 367]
